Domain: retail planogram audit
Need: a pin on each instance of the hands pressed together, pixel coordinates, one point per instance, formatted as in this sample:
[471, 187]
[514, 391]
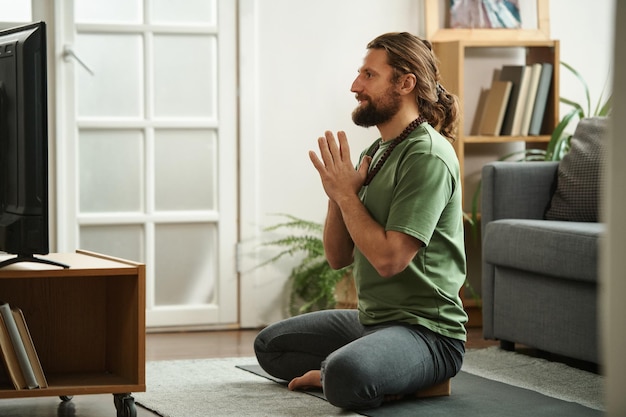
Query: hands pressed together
[338, 175]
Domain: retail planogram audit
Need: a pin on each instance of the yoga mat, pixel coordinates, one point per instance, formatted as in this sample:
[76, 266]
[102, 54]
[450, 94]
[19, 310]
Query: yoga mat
[471, 395]
[493, 383]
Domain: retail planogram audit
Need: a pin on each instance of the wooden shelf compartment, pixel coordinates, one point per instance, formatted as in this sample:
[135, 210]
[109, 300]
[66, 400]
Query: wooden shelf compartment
[452, 56]
[87, 322]
[76, 383]
[452, 65]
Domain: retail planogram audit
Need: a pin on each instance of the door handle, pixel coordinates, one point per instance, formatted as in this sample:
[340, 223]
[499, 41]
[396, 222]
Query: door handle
[68, 53]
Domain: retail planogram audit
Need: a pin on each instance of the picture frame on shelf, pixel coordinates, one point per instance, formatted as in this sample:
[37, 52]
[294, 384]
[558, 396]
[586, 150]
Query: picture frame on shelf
[484, 14]
[436, 24]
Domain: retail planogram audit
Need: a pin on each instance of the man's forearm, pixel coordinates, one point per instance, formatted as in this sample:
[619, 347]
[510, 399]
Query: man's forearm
[338, 244]
[365, 232]
[388, 252]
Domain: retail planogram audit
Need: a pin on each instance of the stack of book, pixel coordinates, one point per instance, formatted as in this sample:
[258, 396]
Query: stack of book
[18, 351]
[516, 102]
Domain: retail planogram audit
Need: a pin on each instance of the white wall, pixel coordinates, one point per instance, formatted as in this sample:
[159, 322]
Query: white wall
[586, 31]
[298, 59]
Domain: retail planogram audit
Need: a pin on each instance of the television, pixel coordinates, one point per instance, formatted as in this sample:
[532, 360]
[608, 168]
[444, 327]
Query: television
[24, 144]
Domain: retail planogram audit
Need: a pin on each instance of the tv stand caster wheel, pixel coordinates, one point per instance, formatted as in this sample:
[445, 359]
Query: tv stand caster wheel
[125, 405]
[66, 398]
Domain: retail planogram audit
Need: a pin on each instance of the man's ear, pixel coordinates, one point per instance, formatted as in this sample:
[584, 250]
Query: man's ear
[408, 83]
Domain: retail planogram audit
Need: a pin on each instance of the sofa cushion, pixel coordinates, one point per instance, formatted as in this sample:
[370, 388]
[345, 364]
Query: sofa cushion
[555, 248]
[576, 197]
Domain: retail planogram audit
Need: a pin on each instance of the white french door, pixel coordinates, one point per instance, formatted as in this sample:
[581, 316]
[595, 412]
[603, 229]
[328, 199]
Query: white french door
[146, 147]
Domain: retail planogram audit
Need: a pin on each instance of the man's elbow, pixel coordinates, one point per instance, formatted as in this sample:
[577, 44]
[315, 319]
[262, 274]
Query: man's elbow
[387, 272]
[389, 268]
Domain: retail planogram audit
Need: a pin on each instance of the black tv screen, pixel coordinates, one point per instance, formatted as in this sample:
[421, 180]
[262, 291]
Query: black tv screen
[23, 143]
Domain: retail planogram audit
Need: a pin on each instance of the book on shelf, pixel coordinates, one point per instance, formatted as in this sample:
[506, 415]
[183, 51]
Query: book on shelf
[518, 76]
[533, 84]
[20, 320]
[539, 107]
[495, 107]
[9, 358]
[478, 114]
[18, 350]
[520, 106]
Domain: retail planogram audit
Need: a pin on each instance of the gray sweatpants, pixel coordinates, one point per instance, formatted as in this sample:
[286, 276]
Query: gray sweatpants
[359, 364]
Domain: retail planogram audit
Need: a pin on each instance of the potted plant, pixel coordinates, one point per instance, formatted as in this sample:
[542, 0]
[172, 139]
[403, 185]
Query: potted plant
[560, 140]
[314, 285]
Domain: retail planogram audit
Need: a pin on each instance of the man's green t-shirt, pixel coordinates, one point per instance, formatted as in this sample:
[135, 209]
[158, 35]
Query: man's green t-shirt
[417, 192]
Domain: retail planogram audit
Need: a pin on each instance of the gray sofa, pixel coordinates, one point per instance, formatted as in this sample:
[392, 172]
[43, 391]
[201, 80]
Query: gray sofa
[540, 277]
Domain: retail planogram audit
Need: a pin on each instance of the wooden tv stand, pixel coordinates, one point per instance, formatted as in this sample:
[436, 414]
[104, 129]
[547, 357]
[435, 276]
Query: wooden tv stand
[87, 323]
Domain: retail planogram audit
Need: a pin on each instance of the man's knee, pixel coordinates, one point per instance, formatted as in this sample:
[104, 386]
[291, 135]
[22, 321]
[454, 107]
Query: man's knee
[346, 385]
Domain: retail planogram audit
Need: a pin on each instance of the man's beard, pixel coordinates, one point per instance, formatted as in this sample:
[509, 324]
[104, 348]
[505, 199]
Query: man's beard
[378, 111]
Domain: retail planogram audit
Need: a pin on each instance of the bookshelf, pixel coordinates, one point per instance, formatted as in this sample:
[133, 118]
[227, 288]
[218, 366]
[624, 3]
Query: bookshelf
[452, 47]
[87, 324]
[451, 55]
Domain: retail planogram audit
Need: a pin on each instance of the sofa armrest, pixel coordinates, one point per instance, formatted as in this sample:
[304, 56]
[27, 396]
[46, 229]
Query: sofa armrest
[513, 190]
[516, 190]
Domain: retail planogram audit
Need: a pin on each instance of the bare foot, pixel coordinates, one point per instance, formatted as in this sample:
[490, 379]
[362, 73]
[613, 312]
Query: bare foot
[312, 379]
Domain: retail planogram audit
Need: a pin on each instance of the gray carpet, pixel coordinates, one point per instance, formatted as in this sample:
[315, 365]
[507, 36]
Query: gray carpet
[492, 383]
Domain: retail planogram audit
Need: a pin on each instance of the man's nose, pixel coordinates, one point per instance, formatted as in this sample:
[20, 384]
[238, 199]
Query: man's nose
[356, 86]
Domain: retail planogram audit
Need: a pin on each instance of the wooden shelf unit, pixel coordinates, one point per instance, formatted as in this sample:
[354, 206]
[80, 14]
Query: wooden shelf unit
[451, 47]
[452, 53]
[87, 322]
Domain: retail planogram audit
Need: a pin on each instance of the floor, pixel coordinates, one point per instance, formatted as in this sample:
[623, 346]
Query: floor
[161, 346]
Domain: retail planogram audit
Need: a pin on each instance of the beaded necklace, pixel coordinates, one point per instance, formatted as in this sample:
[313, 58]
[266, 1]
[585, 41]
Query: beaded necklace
[394, 142]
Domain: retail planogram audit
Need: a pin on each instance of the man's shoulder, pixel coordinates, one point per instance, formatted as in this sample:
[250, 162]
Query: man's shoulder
[428, 144]
[426, 139]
